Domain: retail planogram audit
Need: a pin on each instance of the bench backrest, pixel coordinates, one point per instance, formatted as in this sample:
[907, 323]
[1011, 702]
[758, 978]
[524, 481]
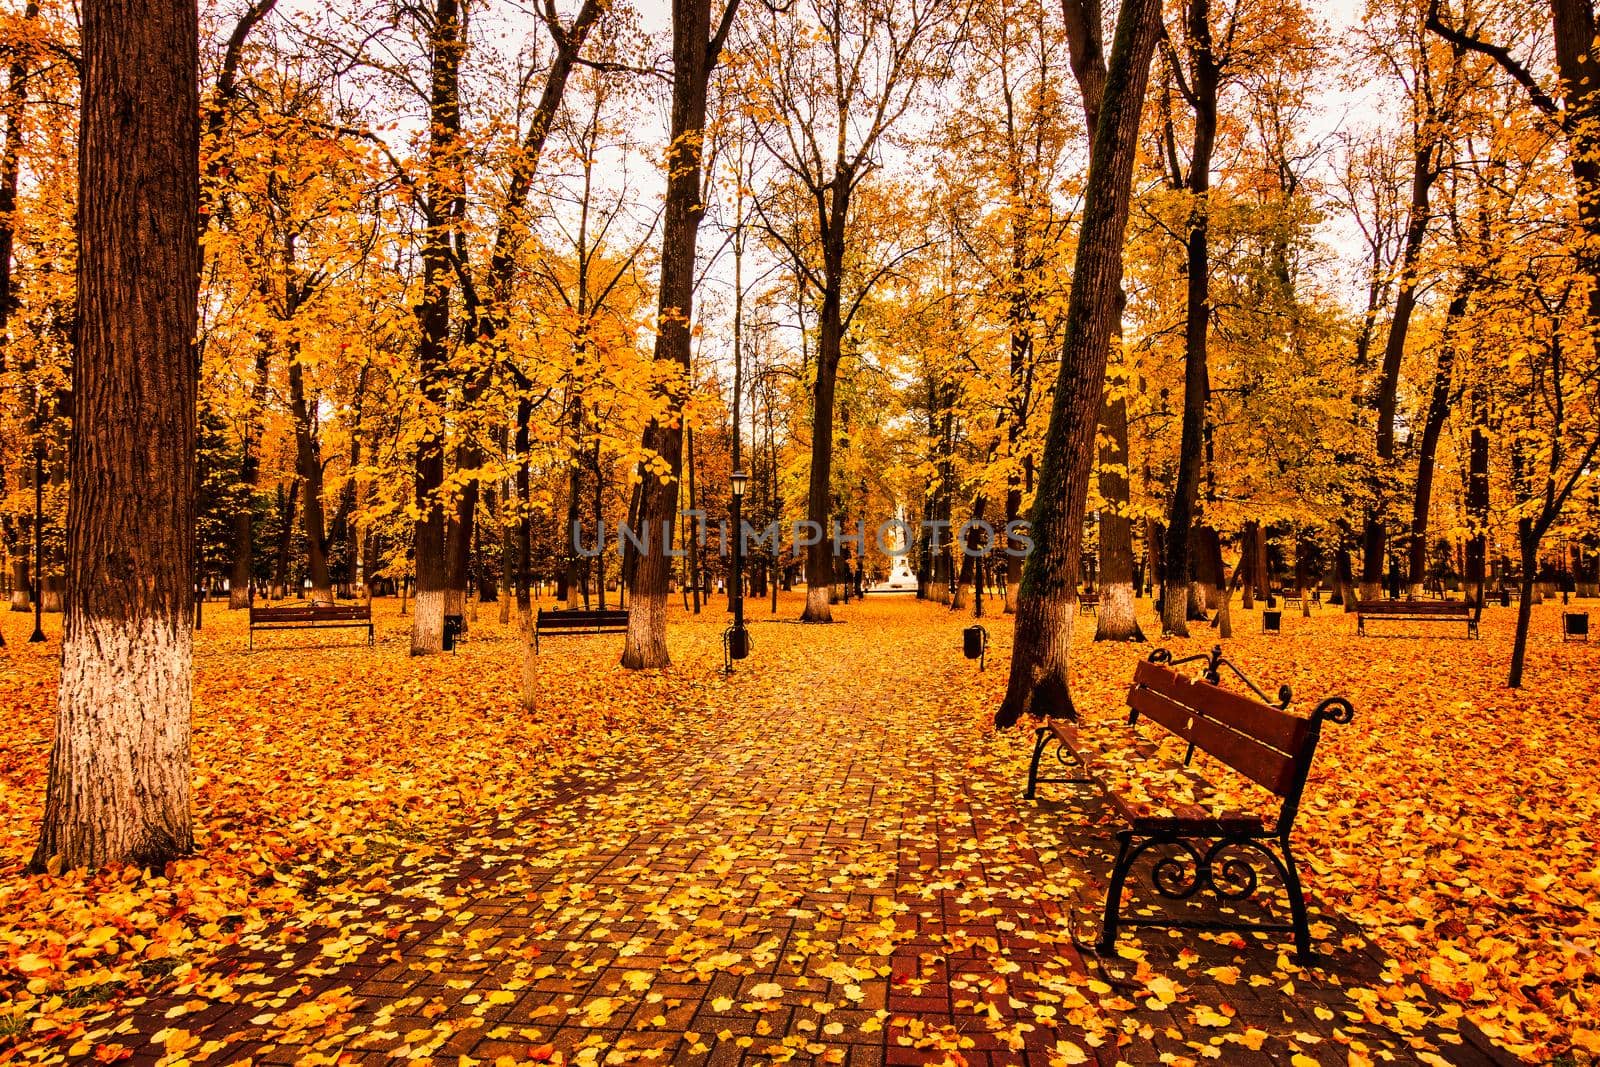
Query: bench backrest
[579, 620]
[1264, 743]
[312, 613]
[1414, 607]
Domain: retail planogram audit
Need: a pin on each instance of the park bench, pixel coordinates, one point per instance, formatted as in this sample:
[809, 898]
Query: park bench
[1416, 611]
[1088, 603]
[311, 617]
[705, 594]
[1201, 836]
[578, 624]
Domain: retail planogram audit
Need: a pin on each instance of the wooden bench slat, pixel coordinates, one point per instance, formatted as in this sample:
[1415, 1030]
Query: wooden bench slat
[1265, 766]
[311, 617]
[1444, 608]
[564, 620]
[266, 614]
[1282, 730]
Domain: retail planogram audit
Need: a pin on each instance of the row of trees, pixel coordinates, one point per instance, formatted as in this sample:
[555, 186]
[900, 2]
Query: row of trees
[467, 277]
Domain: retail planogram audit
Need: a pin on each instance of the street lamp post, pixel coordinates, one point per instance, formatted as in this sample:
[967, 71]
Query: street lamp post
[861, 561]
[38, 544]
[736, 642]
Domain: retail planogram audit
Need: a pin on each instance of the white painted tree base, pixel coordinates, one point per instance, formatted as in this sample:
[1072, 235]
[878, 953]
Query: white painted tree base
[427, 622]
[119, 769]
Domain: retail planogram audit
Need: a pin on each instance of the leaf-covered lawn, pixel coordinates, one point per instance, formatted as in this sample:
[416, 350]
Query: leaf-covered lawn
[354, 790]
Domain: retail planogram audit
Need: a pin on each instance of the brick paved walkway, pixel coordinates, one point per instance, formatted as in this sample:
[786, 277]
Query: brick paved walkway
[781, 874]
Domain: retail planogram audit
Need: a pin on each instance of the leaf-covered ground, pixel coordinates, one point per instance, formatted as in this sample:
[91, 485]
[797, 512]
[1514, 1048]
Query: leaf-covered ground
[825, 857]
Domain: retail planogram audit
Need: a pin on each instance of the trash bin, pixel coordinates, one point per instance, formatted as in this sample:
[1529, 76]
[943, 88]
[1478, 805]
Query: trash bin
[975, 643]
[454, 625]
[1575, 626]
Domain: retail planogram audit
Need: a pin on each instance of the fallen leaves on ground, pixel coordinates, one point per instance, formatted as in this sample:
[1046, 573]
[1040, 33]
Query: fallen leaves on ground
[392, 856]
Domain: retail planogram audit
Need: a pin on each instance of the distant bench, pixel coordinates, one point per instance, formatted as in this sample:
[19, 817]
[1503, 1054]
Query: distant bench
[1416, 611]
[578, 624]
[311, 617]
[1088, 603]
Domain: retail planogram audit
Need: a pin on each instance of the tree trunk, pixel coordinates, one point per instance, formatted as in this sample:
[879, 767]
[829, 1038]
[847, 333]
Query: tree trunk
[691, 538]
[1245, 572]
[1197, 314]
[243, 571]
[444, 202]
[1039, 682]
[460, 533]
[1477, 571]
[508, 553]
[1528, 541]
[1302, 574]
[830, 343]
[1155, 536]
[1115, 620]
[524, 515]
[1424, 170]
[1438, 410]
[1344, 591]
[16, 98]
[290, 507]
[1205, 547]
[308, 462]
[119, 768]
[694, 56]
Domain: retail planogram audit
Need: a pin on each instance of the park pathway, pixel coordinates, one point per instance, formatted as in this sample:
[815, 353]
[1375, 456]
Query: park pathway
[841, 871]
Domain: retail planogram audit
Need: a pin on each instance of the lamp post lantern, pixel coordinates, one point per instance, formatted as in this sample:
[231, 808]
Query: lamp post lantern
[736, 642]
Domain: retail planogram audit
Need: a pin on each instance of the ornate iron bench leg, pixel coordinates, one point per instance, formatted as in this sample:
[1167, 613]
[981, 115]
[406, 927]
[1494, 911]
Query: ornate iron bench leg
[1040, 738]
[1297, 907]
[1119, 874]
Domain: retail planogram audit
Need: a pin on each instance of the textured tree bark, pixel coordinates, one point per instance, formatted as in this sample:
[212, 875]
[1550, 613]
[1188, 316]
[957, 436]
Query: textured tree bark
[1039, 683]
[20, 584]
[119, 768]
[308, 462]
[1205, 550]
[1425, 170]
[460, 529]
[508, 554]
[1528, 545]
[1155, 535]
[1478, 500]
[1115, 620]
[694, 56]
[288, 508]
[1205, 78]
[1432, 427]
[16, 97]
[1344, 591]
[830, 344]
[443, 203]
